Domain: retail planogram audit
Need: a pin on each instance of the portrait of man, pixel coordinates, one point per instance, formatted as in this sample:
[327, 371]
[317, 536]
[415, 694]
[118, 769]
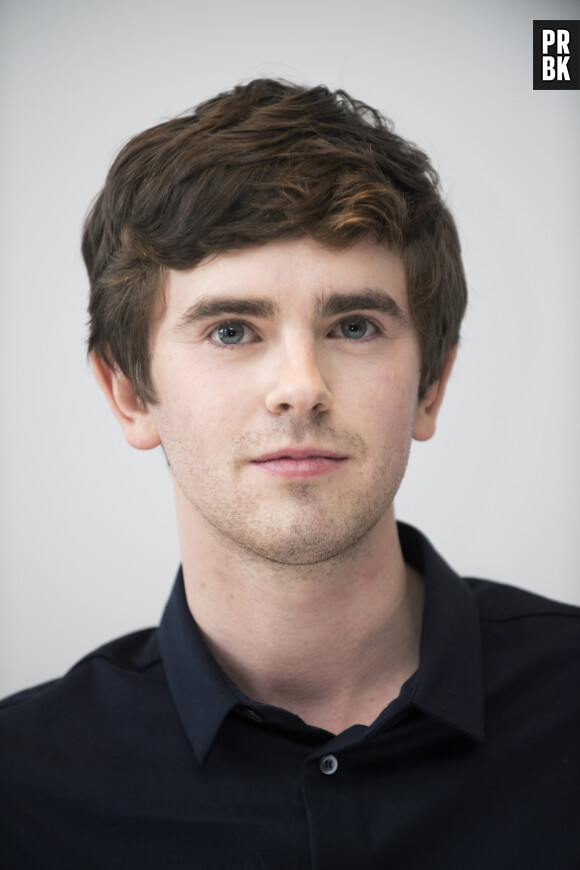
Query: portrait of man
[276, 299]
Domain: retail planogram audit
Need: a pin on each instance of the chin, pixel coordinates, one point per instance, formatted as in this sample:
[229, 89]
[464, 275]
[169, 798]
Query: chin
[306, 543]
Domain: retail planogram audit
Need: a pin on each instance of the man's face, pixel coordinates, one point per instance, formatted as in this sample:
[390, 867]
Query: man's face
[287, 379]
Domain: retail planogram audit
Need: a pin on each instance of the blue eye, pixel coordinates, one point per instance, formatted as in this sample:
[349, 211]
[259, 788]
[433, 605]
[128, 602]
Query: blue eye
[229, 333]
[356, 327]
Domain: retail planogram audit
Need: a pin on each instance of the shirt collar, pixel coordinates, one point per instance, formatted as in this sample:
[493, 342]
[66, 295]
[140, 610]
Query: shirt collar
[200, 689]
[449, 682]
[450, 676]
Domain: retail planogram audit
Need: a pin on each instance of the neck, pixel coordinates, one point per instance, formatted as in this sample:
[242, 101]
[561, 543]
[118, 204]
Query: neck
[332, 642]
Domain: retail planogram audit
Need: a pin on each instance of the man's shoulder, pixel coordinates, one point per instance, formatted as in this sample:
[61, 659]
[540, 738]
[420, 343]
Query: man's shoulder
[117, 661]
[500, 602]
[528, 641]
[67, 747]
[56, 736]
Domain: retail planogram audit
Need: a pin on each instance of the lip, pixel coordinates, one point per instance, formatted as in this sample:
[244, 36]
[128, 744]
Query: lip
[300, 462]
[299, 453]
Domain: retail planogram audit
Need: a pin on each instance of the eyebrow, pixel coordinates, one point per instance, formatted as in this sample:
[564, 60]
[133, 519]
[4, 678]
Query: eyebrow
[209, 307]
[326, 305]
[369, 299]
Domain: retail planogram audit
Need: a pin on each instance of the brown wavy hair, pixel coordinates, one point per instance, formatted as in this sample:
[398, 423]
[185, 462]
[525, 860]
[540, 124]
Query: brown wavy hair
[265, 161]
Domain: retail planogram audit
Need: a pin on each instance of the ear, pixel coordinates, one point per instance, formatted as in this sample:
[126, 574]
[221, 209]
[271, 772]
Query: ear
[428, 407]
[131, 412]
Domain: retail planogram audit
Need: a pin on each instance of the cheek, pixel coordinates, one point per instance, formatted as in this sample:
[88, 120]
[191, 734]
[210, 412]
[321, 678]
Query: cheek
[396, 420]
[389, 417]
[199, 410]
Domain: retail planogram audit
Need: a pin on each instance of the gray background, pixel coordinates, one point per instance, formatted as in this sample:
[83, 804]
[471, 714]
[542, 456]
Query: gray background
[88, 541]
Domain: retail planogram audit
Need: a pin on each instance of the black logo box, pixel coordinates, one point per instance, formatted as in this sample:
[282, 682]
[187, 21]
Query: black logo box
[573, 65]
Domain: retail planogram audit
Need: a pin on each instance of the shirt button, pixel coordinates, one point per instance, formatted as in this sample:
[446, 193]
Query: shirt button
[253, 715]
[328, 764]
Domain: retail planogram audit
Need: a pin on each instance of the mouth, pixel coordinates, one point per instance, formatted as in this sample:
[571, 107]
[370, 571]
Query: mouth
[303, 462]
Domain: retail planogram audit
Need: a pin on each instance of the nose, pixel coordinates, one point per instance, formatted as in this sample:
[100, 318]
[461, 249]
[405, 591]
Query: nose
[299, 385]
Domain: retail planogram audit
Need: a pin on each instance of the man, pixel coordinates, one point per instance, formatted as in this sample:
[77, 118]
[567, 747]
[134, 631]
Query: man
[276, 296]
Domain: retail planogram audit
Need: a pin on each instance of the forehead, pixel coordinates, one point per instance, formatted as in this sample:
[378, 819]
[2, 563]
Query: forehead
[294, 275]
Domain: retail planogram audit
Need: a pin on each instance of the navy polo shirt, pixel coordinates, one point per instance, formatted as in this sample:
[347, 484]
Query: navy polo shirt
[145, 755]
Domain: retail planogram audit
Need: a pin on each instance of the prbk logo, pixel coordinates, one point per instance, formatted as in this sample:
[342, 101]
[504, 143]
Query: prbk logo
[557, 55]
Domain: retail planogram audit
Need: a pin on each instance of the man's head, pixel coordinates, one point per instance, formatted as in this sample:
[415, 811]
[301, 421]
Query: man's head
[267, 161]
